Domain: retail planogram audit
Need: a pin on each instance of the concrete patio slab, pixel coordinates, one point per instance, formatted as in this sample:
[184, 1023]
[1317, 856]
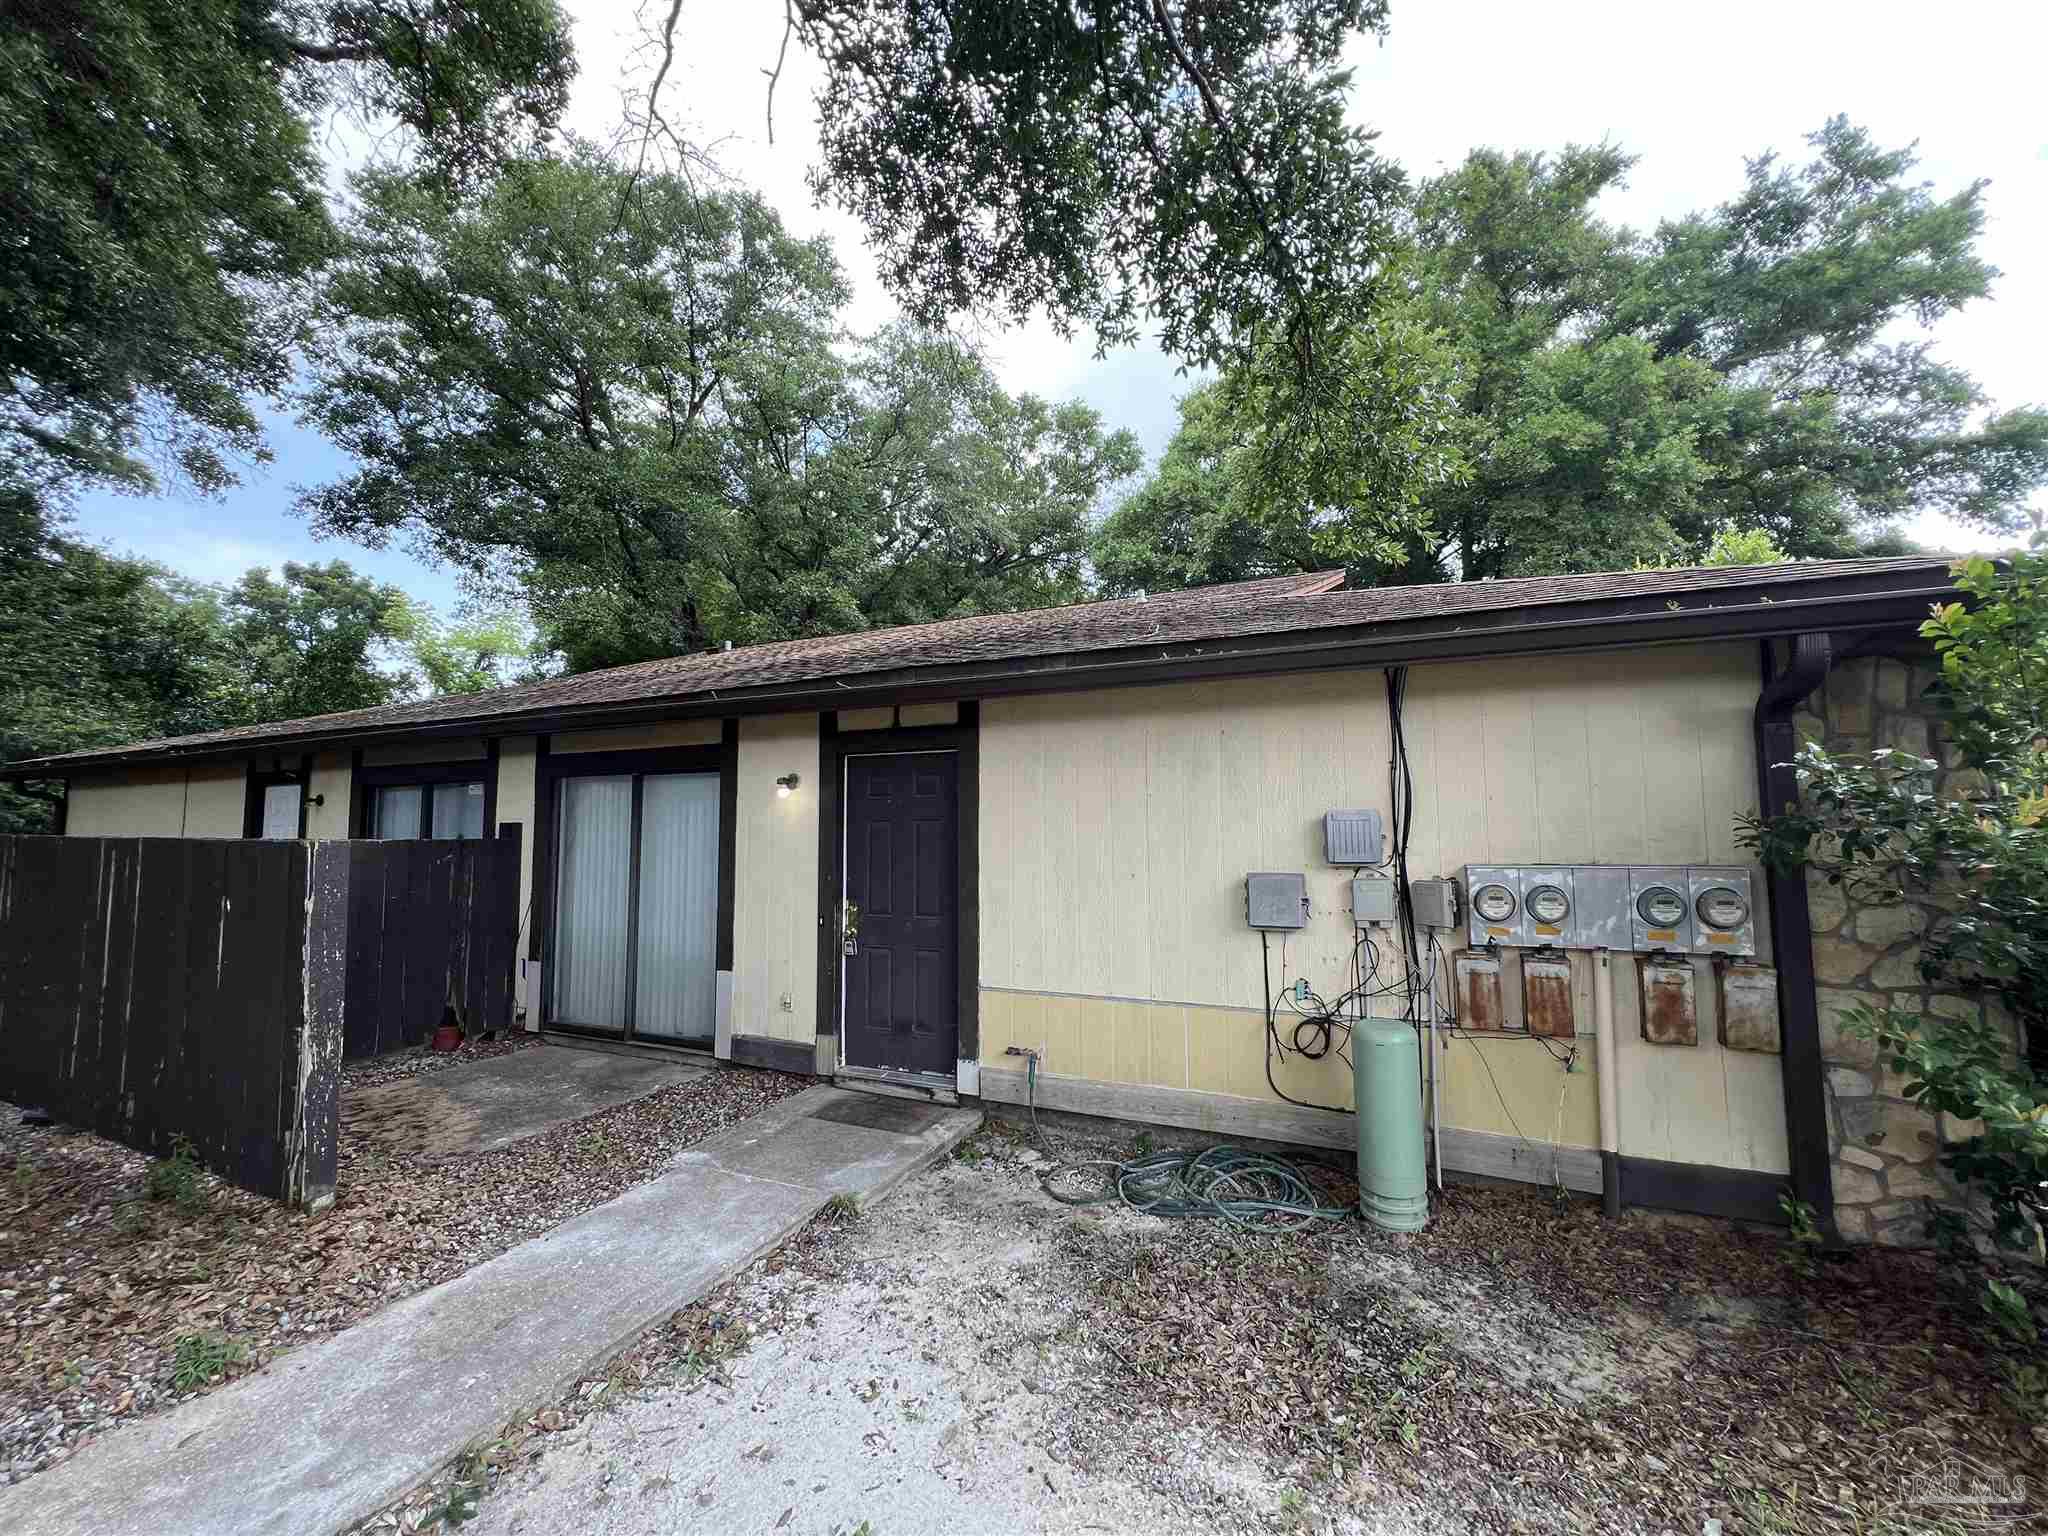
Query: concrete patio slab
[334, 1431]
[485, 1105]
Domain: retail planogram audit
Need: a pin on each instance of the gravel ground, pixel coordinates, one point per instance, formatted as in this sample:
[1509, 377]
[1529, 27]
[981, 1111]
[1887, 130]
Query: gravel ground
[101, 1287]
[422, 1060]
[971, 1357]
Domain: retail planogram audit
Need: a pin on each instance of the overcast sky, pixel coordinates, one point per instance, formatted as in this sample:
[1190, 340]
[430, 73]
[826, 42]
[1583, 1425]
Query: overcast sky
[1692, 92]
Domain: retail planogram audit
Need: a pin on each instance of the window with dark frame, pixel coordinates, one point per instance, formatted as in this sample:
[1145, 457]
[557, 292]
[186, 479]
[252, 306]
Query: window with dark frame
[450, 810]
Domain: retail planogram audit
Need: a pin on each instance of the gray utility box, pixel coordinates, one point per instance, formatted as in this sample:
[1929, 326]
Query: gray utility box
[1372, 901]
[1276, 901]
[1435, 903]
[1352, 837]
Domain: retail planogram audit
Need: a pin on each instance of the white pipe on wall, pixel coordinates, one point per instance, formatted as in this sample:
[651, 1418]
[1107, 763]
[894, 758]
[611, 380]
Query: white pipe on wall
[1610, 1088]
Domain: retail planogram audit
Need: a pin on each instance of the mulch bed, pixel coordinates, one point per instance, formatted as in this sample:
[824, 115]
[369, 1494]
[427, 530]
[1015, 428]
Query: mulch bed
[1525, 1365]
[99, 1283]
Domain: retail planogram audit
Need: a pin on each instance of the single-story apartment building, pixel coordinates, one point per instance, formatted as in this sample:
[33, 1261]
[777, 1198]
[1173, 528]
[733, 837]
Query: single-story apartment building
[911, 856]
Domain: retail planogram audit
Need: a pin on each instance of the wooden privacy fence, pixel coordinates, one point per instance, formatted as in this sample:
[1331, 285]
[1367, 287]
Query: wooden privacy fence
[431, 926]
[153, 988]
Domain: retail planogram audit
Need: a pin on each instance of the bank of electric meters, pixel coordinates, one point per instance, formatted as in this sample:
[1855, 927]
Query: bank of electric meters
[1700, 909]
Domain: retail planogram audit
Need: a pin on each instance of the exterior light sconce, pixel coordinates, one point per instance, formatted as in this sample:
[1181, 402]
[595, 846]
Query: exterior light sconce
[785, 784]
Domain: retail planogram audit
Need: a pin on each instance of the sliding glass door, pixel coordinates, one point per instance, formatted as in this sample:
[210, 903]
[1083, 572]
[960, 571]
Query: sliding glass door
[636, 904]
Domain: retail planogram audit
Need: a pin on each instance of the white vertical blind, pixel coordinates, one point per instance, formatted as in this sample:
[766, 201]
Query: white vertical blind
[281, 810]
[459, 810]
[677, 990]
[591, 891]
[398, 811]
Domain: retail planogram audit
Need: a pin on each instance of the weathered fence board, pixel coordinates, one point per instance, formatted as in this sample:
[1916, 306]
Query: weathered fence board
[432, 925]
[152, 988]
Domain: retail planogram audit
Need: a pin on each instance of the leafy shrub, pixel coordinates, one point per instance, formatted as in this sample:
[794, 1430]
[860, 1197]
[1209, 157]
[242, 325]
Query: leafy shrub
[1880, 825]
[177, 1178]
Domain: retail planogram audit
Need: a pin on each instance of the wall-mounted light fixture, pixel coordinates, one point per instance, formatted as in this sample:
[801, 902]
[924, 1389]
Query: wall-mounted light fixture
[785, 784]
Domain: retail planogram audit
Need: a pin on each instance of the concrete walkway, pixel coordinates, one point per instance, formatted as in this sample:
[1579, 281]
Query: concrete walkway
[334, 1431]
[483, 1105]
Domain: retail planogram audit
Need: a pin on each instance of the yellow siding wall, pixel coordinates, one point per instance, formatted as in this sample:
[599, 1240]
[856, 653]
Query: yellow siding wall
[638, 738]
[331, 776]
[200, 800]
[775, 895]
[1117, 828]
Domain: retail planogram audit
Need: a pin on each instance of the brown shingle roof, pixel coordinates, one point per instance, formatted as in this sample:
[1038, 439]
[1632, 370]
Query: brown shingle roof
[1275, 605]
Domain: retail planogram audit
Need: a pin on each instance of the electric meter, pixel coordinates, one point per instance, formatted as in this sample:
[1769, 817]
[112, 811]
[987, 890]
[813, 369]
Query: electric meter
[1724, 904]
[1495, 903]
[1661, 907]
[1722, 907]
[1547, 904]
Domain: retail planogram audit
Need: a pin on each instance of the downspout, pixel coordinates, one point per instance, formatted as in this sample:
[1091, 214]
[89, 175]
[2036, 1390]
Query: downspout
[1806, 1110]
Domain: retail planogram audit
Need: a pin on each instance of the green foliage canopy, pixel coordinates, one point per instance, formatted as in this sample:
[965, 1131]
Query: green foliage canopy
[1617, 399]
[642, 410]
[164, 203]
[1113, 163]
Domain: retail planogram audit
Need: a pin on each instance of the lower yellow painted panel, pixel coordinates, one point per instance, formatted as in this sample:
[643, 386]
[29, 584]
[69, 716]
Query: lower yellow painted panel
[1508, 1087]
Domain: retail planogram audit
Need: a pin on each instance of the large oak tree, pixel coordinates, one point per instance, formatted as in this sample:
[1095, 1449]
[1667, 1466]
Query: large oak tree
[1621, 398]
[630, 397]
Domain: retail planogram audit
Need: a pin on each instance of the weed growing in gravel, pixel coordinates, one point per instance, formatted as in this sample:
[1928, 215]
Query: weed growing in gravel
[843, 1208]
[177, 1178]
[1804, 1237]
[199, 1357]
[24, 1175]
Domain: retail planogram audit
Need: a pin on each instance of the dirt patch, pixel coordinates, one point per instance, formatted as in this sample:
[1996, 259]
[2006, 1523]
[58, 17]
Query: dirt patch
[113, 1304]
[971, 1355]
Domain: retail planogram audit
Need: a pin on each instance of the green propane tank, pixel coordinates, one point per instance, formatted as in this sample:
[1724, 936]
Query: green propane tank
[1393, 1182]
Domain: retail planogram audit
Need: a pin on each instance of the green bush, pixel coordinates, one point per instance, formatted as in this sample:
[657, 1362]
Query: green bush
[1977, 856]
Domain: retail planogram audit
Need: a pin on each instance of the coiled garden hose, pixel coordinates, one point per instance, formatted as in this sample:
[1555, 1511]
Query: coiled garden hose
[1247, 1189]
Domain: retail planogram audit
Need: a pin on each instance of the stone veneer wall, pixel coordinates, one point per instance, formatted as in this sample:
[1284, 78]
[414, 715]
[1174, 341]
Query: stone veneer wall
[1883, 1146]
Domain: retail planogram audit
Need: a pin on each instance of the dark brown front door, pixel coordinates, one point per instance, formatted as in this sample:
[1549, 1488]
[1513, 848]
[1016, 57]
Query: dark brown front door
[902, 873]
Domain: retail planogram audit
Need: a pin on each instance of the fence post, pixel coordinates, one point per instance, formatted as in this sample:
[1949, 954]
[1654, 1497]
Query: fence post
[316, 1129]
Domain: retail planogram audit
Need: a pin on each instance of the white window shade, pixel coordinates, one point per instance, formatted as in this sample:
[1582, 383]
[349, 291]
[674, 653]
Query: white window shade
[458, 810]
[398, 811]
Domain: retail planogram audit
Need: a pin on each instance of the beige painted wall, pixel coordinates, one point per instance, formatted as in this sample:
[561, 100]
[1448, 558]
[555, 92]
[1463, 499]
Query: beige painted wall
[331, 777]
[775, 888]
[517, 759]
[638, 738]
[1117, 828]
[197, 800]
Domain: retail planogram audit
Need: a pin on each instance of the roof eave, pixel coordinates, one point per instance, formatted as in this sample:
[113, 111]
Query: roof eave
[1729, 613]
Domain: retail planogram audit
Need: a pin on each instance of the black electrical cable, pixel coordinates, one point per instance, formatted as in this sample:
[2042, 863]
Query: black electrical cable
[1273, 1033]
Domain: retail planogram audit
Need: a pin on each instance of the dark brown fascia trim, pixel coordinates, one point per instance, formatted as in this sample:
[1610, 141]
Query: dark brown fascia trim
[1609, 624]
